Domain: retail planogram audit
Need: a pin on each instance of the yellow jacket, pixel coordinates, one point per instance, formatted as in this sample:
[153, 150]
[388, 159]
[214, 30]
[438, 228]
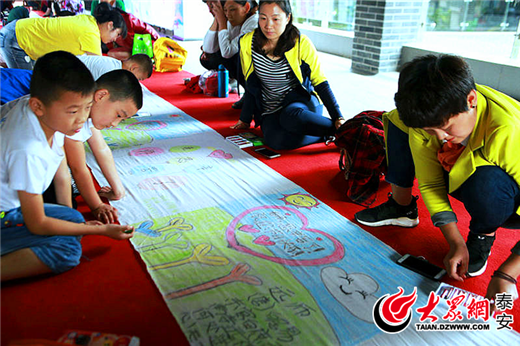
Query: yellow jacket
[495, 141]
[304, 62]
[302, 58]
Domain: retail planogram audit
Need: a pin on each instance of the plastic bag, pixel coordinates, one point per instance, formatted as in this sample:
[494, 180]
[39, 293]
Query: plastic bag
[193, 85]
[169, 55]
[143, 45]
[208, 82]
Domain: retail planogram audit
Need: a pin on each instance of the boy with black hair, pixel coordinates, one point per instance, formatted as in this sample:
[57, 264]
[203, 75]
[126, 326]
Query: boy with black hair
[460, 139]
[142, 62]
[15, 82]
[38, 238]
[118, 96]
[141, 65]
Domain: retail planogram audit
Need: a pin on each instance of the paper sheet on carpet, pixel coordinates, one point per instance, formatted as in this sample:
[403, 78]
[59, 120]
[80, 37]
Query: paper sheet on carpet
[239, 252]
[155, 105]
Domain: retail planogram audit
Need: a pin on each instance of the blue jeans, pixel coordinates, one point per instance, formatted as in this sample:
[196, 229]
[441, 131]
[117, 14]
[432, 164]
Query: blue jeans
[490, 195]
[59, 253]
[14, 56]
[401, 169]
[296, 125]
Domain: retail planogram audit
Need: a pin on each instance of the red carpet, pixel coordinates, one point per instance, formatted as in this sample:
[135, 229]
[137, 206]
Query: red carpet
[111, 291]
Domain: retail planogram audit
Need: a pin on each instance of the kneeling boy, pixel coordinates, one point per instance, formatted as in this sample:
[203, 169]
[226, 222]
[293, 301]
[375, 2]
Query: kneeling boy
[38, 238]
[118, 96]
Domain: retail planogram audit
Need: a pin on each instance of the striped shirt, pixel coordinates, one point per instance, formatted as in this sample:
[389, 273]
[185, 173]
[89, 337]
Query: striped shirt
[277, 79]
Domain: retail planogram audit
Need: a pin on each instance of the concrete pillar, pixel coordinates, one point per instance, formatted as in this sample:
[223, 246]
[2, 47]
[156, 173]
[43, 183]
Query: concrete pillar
[381, 29]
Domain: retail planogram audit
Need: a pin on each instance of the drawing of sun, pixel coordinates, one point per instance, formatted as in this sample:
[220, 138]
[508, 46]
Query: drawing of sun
[300, 200]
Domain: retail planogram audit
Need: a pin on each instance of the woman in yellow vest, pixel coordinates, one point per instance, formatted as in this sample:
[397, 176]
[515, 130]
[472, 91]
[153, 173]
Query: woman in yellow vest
[283, 80]
[463, 141]
[25, 40]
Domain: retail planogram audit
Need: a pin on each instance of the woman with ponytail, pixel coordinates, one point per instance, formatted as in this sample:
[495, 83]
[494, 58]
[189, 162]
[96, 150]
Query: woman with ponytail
[283, 81]
[25, 40]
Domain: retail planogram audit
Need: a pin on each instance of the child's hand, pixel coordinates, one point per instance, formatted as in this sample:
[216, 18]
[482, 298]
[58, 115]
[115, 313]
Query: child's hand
[210, 7]
[218, 13]
[339, 122]
[106, 213]
[94, 223]
[119, 232]
[107, 192]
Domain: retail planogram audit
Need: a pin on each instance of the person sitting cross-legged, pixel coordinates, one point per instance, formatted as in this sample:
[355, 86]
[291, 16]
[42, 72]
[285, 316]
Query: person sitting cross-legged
[284, 79]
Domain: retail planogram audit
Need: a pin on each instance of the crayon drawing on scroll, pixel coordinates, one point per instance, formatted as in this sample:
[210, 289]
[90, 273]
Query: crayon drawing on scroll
[240, 254]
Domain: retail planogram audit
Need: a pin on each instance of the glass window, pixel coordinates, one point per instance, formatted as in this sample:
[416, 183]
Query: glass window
[473, 15]
[329, 14]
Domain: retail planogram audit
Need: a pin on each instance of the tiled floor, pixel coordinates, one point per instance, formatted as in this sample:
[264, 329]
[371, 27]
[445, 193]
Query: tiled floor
[354, 92]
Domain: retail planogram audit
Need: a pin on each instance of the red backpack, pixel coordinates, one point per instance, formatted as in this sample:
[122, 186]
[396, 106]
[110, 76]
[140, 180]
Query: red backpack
[363, 160]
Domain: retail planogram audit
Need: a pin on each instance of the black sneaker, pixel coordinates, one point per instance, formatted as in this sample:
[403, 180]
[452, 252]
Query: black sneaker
[390, 213]
[479, 248]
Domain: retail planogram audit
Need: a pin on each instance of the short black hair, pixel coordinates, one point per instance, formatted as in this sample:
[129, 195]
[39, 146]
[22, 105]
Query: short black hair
[122, 85]
[145, 63]
[432, 89]
[58, 72]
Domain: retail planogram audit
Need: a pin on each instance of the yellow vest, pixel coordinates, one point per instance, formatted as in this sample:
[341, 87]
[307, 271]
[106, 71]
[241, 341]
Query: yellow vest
[303, 50]
[495, 141]
[75, 34]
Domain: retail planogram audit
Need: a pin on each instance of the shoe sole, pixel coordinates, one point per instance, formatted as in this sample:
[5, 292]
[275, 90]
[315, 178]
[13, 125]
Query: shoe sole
[401, 221]
[480, 271]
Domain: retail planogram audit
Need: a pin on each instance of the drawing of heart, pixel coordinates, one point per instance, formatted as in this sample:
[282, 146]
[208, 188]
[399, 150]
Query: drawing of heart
[264, 240]
[248, 229]
[220, 154]
[353, 291]
[332, 249]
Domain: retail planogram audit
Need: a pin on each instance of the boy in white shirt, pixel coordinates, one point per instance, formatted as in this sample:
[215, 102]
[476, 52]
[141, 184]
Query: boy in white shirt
[38, 238]
[118, 96]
